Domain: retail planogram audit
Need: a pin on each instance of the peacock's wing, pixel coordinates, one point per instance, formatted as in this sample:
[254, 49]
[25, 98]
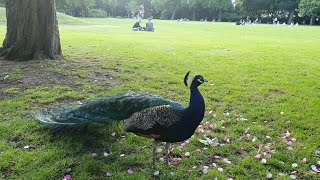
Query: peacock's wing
[153, 120]
[115, 107]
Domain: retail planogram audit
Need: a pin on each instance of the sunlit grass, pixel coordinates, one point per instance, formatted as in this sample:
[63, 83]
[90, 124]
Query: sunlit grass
[256, 71]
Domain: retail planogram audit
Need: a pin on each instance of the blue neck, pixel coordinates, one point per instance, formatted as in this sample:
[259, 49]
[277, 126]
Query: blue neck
[196, 106]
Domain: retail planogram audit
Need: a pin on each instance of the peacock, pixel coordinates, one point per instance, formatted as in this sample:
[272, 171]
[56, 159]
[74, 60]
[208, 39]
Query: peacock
[144, 114]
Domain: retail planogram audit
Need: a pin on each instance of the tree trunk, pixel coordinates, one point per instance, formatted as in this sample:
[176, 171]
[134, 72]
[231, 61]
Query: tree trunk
[194, 14]
[174, 13]
[32, 30]
[313, 17]
[219, 15]
[290, 17]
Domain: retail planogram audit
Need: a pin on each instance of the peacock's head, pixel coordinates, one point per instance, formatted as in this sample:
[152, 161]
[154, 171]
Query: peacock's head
[197, 80]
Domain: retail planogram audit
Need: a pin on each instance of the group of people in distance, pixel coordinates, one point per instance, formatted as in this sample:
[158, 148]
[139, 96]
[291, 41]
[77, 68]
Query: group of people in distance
[149, 26]
[248, 21]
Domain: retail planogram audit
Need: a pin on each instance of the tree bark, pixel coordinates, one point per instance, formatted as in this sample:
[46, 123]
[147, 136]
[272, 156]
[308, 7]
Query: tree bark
[32, 31]
[219, 15]
[174, 13]
[194, 15]
[313, 17]
[290, 17]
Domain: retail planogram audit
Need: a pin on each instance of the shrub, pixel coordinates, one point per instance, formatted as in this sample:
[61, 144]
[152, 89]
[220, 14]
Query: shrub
[97, 13]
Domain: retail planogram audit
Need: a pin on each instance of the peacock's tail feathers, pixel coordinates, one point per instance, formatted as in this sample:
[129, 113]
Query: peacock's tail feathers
[47, 119]
[115, 107]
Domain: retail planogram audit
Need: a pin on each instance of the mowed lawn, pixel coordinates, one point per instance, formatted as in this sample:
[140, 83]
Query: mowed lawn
[263, 84]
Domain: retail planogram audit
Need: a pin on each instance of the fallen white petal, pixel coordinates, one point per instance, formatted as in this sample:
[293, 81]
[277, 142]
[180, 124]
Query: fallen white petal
[156, 173]
[212, 142]
[314, 168]
[187, 154]
[293, 176]
[254, 139]
[205, 171]
[269, 175]
[214, 164]
[5, 77]
[105, 154]
[225, 160]
[287, 133]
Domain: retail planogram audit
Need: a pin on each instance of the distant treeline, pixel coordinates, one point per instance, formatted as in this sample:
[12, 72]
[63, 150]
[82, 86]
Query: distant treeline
[265, 11]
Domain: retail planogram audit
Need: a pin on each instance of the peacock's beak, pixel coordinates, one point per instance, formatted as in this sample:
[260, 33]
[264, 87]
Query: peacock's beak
[204, 80]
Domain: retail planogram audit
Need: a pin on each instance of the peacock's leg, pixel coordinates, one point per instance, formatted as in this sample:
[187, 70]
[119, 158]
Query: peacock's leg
[154, 147]
[167, 153]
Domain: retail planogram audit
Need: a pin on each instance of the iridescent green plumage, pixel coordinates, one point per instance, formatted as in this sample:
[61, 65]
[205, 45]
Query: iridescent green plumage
[115, 107]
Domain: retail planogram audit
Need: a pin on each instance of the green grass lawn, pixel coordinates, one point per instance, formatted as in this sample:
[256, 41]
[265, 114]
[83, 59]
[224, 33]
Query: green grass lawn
[267, 75]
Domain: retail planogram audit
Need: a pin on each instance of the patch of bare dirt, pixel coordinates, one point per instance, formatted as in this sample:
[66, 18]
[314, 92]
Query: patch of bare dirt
[31, 74]
[275, 93]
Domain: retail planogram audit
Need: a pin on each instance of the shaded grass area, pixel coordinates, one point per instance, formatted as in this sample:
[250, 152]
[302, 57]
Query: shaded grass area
[256, 72]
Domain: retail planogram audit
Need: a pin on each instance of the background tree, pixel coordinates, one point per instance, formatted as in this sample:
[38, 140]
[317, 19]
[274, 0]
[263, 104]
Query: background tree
[32, 31]
[149, 10]
[101, 4]
[310, 8]
[167, 6]
[79, 8]
[220, 6]
[223, 10]
[268, 9]
[253, 8]
[290, 7]
[112, 7]
[132, 8]
[195, 5]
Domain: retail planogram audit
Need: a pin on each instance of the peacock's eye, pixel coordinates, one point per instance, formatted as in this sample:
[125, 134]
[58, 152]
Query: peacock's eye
[200, 80]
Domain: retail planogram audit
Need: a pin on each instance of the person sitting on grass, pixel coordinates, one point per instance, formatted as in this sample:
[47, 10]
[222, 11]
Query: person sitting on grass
[137, 27]
[149, 25]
